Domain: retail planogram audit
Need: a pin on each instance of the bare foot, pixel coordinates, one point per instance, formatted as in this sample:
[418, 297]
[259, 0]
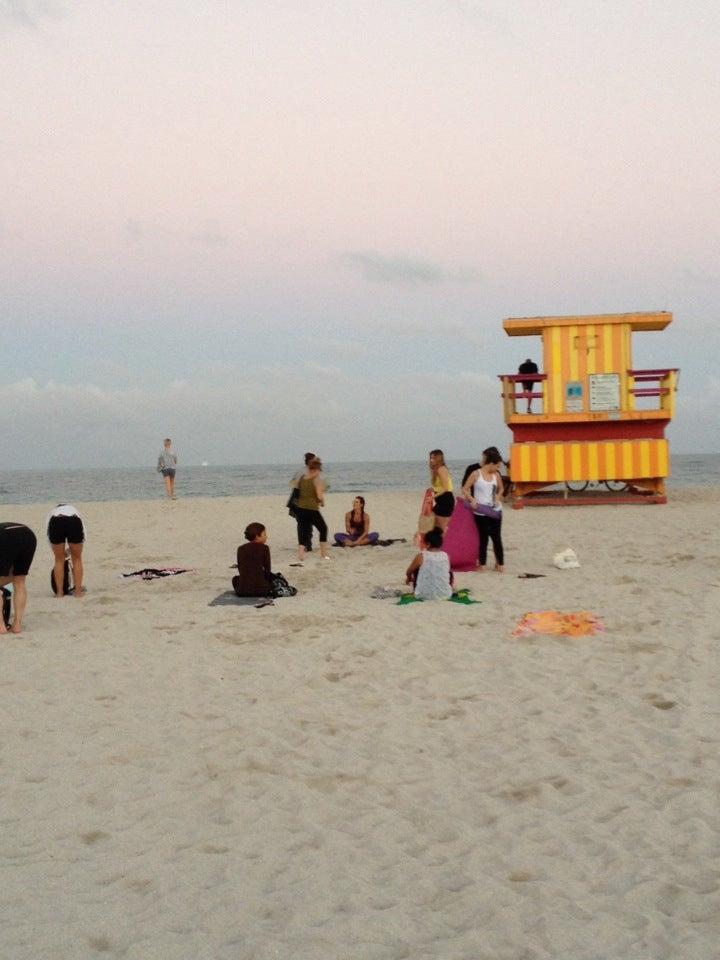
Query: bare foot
[499, 569]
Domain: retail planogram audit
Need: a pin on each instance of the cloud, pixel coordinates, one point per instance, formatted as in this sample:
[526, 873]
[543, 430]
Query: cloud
[26, 13]
[210, 234]
[478, 13]
[269, 415]
[379, 268]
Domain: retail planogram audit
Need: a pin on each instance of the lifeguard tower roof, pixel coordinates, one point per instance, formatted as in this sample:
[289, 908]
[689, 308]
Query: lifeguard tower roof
[534, 326]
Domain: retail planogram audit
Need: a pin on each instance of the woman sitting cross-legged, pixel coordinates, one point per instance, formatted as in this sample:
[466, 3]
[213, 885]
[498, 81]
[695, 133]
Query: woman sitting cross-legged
[357, 527]
[254, 577]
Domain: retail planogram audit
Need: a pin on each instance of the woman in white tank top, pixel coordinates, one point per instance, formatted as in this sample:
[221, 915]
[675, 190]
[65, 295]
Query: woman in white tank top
[483, 491]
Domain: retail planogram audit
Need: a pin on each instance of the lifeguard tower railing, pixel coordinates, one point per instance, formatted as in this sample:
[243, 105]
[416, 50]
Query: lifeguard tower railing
[661, 383]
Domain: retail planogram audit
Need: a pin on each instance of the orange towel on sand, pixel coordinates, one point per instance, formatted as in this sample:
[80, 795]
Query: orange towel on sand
[555, 621]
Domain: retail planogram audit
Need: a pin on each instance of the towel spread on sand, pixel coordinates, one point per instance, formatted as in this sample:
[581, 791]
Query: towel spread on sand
[228, 598]
[460, 596]
[153, 573]
[556, 622]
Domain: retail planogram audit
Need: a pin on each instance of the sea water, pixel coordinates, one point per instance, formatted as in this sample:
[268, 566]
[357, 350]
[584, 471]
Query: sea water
[134, 483]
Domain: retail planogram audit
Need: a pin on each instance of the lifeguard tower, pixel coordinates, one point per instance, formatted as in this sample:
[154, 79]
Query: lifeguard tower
[597, 421]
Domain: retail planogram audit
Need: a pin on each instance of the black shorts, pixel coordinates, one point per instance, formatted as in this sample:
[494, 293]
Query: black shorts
[444, 505]
[17, 549]
[61, 529]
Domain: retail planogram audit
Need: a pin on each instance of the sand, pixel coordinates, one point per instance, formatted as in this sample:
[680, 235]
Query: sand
[337, 777]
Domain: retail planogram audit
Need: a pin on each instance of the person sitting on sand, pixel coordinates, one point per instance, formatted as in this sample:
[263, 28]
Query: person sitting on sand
[254, 576]
[429, 572]
[357, 527]
[17, 549]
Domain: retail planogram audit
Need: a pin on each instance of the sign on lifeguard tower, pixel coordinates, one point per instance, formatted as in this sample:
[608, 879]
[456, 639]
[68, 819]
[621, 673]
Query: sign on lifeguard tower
[599, 421]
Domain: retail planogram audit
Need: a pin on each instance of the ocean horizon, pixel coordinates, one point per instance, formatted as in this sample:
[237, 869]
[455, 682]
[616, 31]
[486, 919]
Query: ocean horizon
[100, 484]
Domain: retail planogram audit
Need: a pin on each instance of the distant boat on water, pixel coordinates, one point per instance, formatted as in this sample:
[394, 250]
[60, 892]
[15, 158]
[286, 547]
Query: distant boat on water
[203, 463]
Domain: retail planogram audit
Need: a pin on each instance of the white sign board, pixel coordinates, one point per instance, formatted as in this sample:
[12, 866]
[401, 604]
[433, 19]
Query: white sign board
[604, 389]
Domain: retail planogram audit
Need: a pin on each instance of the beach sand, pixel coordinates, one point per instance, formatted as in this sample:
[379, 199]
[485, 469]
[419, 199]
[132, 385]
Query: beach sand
[337, 777]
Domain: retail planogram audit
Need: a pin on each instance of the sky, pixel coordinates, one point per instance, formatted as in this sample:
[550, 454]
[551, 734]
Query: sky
[262, 227]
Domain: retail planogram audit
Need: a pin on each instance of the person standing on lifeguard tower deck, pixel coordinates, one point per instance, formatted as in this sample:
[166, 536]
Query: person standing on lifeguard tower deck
[529, 366]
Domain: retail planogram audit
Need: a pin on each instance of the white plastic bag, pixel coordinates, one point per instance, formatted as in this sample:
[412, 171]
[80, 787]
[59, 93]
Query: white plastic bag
[566, 559]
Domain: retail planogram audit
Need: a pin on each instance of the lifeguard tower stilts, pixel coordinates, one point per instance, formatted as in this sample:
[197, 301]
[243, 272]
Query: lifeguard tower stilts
[597, 421]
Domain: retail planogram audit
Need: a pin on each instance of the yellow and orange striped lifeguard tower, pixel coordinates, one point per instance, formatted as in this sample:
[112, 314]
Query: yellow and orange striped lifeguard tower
[599, 421]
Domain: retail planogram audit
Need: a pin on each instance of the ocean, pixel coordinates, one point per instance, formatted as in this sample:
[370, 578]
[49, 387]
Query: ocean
[134, 483]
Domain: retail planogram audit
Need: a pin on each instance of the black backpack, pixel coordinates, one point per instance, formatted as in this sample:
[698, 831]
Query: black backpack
[280, 586]
[6, 595]
[66, 578]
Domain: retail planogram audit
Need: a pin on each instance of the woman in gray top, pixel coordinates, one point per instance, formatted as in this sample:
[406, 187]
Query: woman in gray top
[167, 461]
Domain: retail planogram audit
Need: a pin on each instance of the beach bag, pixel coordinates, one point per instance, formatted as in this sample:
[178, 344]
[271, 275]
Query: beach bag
[280, 586]
[426, 520]
[292, 503]
[6, 595]
[426, 524]
[66, 578]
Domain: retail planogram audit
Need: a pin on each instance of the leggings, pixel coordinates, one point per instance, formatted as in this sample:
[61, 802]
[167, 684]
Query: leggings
[306, 520]
[342, 538]
[489, 528]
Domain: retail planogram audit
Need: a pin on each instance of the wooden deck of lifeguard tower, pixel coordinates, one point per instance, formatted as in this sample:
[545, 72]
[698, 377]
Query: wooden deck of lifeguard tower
[599, 418]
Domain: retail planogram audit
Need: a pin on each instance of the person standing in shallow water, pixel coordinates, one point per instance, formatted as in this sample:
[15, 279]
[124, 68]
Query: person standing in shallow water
[167, 462]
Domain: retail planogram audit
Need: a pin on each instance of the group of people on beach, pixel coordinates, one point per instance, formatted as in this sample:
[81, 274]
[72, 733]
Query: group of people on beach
[66, 535]
[255, 576]
[430, 572]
